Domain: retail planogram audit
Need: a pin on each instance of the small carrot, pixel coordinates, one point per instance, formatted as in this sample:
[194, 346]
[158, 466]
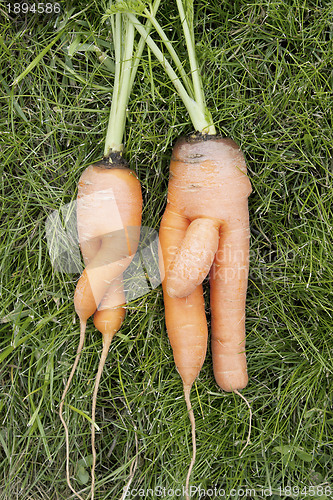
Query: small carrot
[100, 288]
[109, 206]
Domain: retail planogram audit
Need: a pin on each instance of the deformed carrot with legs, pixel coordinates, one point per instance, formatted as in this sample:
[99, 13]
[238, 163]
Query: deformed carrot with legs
[208, 190]
[204, 231]
[207, 202]
[109, 207]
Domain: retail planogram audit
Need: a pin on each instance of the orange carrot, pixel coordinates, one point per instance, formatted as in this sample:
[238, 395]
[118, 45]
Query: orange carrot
[109, 206]
[209, 184]
[204, 230]
[206, 209]
[118, 194]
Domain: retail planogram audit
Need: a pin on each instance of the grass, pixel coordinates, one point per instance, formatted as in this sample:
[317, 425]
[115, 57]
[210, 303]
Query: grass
[268, 83]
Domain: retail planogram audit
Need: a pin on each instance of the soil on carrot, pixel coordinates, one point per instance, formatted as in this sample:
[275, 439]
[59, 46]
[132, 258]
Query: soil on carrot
[114, 160]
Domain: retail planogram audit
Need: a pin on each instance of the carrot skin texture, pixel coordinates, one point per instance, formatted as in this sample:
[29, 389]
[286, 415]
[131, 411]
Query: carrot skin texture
[109, 205]
[208, 180]
[111, 311]
[185, 317]
[194, 257]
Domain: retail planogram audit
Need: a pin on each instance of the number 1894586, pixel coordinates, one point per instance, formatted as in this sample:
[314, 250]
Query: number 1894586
[33, 8]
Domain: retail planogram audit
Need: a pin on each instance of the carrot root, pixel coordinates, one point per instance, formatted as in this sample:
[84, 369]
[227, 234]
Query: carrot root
[106, 346]
[76, 361]
[187, 390]
[250, 422]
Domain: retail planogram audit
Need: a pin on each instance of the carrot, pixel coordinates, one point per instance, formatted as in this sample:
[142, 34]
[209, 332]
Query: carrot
[219, 217]
[194, 257]
[206, 220]
[109, 206]
[109, 217]
[204, 231]
[100, 289]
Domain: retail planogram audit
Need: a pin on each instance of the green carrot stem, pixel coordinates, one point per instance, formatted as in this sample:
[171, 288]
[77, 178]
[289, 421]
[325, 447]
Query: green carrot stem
[116, 23]
[141, 44]
[126, 64]
[186, 81]
[195, 73]
[201, 119]
[120, 97]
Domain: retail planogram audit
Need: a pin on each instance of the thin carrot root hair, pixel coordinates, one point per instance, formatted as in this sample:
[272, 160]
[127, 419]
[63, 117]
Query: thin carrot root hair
[250, 420]
[106, 346]
[194, 444]
[133, 467]
[77, 359]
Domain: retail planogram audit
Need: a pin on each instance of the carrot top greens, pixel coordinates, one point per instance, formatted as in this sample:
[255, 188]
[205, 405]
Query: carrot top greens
[126, 64]
[189, 89]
